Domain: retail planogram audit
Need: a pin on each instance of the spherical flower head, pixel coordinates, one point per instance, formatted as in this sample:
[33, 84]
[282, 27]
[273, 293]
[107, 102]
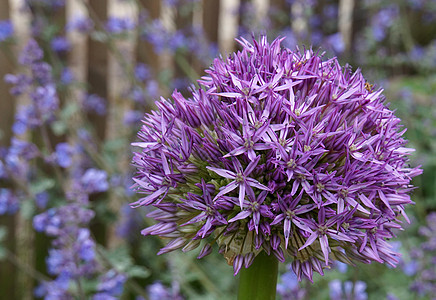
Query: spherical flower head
[279, 151]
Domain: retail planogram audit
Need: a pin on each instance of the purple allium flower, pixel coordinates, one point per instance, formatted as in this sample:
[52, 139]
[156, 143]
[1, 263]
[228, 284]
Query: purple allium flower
[278, 151]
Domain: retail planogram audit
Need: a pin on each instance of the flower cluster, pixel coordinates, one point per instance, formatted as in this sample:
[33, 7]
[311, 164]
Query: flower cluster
[424, 258]
[111, 286]
[39, 86]
[348, 290]
[289, 289]
[158, 291]
[278, 151]
[6, 30]
[73, 254]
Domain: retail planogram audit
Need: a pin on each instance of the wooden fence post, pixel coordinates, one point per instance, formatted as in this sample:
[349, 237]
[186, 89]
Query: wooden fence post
[97, 79]
[282, 17]
[227, 25]
[210, 19]
[144, 50]
[97, 69]
[183, 20]
[345, 23]
[8, 272]
[300, 25]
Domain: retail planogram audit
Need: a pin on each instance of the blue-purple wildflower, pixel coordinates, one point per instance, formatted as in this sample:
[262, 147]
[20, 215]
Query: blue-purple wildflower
[73, 255]
[60, 44]
[158, 291]
[9, 203]
[80, 24]
[6, 30]
[118, 25]
[110, 286]
[95, 104]
[424, 260]
[39, 87]
[347, 290]
[64, 154]
[94, 181]
[279, 151]
[288, 287]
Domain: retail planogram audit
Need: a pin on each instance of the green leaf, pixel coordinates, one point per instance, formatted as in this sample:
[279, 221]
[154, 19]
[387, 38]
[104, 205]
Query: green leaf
[27, 209]
[42, 185]
[99, 36]
[59, 127]
[2, 253]
[114, 144]
[70, 109]
[89, 285]
[138, 271]
[3, 235]
[119, 258]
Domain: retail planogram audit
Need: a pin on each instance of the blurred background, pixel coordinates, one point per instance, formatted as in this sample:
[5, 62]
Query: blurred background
[77, 77]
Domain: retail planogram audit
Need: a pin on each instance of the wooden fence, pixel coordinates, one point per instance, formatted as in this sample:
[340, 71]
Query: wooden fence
[93, 62]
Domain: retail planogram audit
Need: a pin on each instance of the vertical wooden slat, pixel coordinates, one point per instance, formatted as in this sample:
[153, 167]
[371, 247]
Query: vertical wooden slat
[97, 69]
[210, 19]
[282, 16]
[361, 19]
[7, 107]
[227, 25]
[262, 9]
[120, 81]
[242, 7]
[183, 21]
[300, 25]
[144, 50]
[345, 22]
[7, 102]
[97, 79]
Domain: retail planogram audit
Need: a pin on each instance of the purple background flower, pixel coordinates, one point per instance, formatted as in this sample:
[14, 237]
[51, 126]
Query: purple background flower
[74, 112]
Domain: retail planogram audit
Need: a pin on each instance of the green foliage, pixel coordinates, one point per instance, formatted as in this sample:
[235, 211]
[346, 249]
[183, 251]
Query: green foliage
[3, 234]
[120, 259]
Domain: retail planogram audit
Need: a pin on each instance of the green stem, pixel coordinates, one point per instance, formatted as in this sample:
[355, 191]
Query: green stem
[259, 281]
